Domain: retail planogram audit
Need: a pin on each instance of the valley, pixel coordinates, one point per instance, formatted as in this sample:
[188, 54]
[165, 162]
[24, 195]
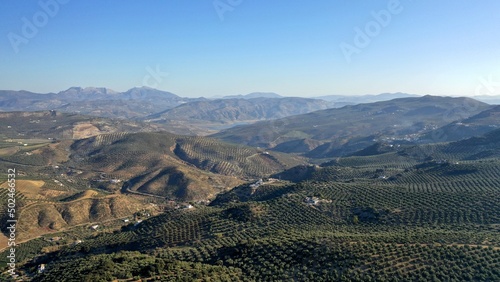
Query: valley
[231, 140]
[398, 190]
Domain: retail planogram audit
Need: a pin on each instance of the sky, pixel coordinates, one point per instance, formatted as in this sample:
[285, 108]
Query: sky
[226, 47]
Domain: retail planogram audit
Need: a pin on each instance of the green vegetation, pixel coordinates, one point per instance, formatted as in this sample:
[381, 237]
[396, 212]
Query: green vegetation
[384, 213]
[424, 221]
[194, 168]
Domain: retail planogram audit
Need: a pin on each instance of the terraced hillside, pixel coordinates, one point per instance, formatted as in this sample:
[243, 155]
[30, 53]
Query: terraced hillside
[63, 183]
[401, 215]
[163, 164]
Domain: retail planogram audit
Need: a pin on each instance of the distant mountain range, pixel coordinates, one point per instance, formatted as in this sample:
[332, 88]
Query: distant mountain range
[231, 110]
[336, 132]
[191, 116]
[103, 102]
[149, 103]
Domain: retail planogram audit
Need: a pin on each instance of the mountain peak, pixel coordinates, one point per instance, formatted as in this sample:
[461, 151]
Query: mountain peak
[148, 92]
[79, 91]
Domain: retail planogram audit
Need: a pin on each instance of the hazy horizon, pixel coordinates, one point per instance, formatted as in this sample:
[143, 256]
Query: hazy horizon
[220, 48]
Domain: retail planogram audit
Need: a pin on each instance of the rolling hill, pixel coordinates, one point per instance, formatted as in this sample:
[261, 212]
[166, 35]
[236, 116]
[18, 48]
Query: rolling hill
[187, 116]
[223, 111]
[77, 170]
[128, 204]
[345, 100]
[103, 102]
[389, 214]
[178, 167]
[57, 125]
[475, 125]
[351, 128]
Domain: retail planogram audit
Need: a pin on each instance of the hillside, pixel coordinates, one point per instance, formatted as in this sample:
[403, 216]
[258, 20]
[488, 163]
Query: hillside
[178, 167]
[186, 116]
[475, 125]
[232, 110]
[481, 147]
[42, 213]
[363, 99]
[74, 170]
[389, 214]
[103, 102]
[135, 205]
[57, 125]
[351, 128]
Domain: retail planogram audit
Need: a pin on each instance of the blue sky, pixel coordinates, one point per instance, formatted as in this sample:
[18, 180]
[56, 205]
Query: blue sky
[225, 47]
